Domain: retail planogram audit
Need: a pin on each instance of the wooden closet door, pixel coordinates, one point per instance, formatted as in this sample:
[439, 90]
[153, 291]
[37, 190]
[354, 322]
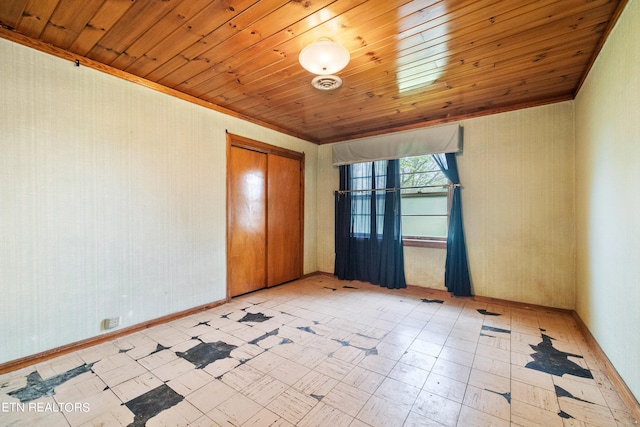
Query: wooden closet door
[284, 219]
[247, 217]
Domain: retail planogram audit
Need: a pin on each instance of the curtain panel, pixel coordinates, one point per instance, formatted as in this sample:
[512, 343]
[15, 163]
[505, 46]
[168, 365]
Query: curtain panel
[456, 270]
[368, 233]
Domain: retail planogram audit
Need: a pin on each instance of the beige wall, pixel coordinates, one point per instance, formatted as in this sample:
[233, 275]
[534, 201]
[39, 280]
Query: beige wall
[328, 182]
[608, 198]
[517, 173]
[112, 201]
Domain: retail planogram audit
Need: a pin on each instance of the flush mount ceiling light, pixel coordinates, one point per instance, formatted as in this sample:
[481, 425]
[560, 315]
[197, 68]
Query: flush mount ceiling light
[324, 57]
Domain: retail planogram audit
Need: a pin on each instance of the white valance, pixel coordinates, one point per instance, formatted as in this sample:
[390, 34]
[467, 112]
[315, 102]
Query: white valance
[416, 142]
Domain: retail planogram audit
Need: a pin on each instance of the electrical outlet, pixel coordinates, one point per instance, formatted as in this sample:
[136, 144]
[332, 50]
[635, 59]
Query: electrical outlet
[110, 323]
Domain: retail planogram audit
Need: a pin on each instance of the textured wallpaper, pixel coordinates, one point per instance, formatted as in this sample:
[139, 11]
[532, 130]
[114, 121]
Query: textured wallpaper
[113, 201]
[608, 198]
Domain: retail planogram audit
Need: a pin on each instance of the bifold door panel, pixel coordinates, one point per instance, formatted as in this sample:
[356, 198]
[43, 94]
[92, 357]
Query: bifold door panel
[265, 214]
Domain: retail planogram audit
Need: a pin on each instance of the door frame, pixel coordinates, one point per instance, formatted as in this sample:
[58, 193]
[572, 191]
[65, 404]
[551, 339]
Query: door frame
[238, 141]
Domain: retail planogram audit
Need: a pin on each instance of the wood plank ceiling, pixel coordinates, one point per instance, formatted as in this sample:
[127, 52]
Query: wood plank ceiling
[413, 63]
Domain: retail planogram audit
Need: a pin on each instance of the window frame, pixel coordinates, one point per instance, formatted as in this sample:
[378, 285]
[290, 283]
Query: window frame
[437, 242]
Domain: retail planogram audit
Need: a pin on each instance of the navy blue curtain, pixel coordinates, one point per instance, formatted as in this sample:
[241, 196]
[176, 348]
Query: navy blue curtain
[368, 233]
[343, 225]
[456, 273]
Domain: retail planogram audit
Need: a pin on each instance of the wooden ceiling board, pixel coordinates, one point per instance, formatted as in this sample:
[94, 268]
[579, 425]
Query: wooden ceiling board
[517, 58]
[133, 24]
[68, 20]
[287, 68]
[413, 63]
[35, 17]
[381, 91]
[11, 12]
[239, 42]
[525, 66]
[186, 34]
[160, 33]
[219, 21]
[474, 97]
[109, 13]
[259, 59]
[204, 54]
[353, 77]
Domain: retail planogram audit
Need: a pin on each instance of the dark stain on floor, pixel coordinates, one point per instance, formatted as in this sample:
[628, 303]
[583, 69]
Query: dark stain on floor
[367, 351]
[555, 362]
[267, 335]
[255, 317]
[150, 404]
[488, 313]
[564, 415]
[432, 301]
[37, 387]
[492, 329]
[560, 392]
[369, 336]
[158, 349]
[205, 353]
[506, 395]
[306, 329]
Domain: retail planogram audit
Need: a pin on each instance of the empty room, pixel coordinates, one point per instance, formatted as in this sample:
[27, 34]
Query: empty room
[319, 213]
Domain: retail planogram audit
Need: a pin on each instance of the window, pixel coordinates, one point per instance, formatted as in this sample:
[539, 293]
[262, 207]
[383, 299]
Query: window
[361, 180]
[425, 202]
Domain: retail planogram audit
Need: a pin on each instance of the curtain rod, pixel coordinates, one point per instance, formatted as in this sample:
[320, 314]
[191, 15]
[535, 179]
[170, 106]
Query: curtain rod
[366, 190]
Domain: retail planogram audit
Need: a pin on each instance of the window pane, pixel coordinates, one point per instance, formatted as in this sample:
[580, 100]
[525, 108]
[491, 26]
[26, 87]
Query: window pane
[424, 205]
[361, 179]
[415, 219]
[424, 209]
[421, 171]
[424, 226]
[424, 201]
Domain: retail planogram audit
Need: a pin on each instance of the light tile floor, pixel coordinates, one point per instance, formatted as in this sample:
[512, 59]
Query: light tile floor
[322, 352]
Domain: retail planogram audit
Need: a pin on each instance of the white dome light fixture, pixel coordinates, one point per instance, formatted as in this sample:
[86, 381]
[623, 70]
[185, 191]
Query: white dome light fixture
[324, 57]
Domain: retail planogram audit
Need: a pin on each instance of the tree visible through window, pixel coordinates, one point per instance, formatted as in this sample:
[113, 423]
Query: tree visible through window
[425, 201]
